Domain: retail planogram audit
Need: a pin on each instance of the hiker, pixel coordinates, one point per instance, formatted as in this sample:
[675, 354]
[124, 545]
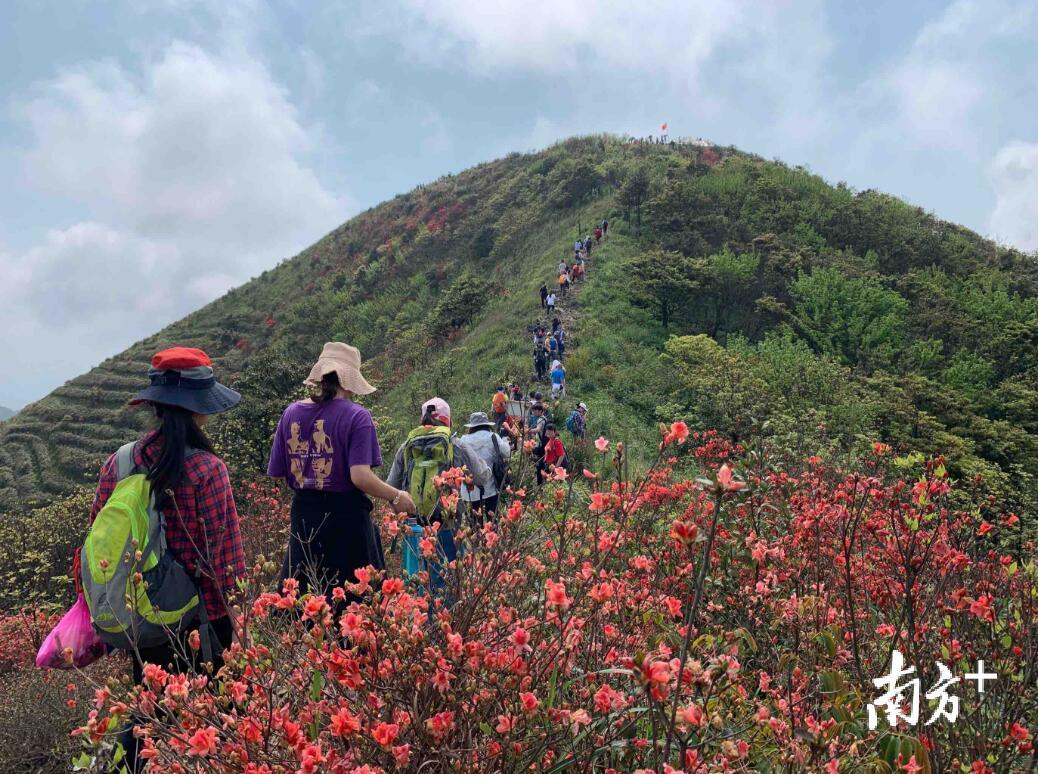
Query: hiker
[517, 392]
[325, 448]
[428, 451]
[540, 362]
[578, 245]
[511, 429]
[556, 323]
[598, 234]
[499, 405]
[553, 348]
[605, 228]
[560, 337]
[558, 380]
[190, 491]
[552, 298]
[554, 454]
[535, 422]
[576, 423]
[587, 245]
[544, 295]
[495, 452]
[563, 266]
[538, 335]
[564, 282]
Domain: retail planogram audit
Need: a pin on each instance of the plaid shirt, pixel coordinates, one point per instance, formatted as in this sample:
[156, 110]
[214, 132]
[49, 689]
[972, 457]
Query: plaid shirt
[206, 532]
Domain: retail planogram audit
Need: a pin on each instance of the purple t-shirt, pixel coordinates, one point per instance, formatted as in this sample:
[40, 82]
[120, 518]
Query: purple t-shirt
[316, 443]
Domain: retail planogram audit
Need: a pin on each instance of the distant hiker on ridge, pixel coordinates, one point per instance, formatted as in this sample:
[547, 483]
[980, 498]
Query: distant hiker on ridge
[554, 455]
[540, 362]
[558, 380]
[544, 295]
[576, 423]
[499, 405]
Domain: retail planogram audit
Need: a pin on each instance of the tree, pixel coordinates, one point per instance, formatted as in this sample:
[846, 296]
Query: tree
[856, 319]
[665, 280]
[634, 192]
[730, 280]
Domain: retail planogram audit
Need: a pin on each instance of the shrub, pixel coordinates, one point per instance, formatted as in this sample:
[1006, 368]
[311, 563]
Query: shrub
[38, 710]
[730, 621]
[36, 552]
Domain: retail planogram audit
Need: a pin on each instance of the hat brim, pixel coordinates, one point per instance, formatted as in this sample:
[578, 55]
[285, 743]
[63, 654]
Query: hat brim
[350, 378]
[471, 426]
[212, 400]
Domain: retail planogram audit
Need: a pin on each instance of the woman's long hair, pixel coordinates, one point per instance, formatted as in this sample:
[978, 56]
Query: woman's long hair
[327, 390]
[178, 433]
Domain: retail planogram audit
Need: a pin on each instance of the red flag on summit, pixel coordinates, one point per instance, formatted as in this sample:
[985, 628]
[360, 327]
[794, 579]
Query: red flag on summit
[663, 126]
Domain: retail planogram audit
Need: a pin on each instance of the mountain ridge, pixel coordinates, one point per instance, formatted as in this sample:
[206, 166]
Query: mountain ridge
[420, 283]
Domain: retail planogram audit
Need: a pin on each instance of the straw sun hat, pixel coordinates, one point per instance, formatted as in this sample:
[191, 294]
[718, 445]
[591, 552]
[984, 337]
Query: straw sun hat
[344, 361]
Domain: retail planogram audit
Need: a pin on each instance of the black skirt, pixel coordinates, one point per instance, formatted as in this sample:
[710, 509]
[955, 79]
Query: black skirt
[332, 535]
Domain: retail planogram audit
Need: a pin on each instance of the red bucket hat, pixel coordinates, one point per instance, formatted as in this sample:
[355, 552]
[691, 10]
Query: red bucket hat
[183, 376]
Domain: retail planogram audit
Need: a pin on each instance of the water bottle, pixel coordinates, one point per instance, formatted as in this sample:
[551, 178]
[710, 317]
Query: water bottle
[412, 559]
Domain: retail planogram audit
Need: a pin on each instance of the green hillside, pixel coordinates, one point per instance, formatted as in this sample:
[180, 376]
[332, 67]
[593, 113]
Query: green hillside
[785, 310]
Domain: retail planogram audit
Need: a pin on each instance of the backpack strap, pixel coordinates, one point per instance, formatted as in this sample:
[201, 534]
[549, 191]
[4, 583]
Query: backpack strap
[124, 464]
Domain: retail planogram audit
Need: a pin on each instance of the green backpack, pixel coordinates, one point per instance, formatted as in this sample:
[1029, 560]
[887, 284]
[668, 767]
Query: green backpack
[428, 451]
[128, 537]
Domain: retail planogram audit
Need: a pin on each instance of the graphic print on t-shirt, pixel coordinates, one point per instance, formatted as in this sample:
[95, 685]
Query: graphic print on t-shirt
[296, 445]
[317, 449]
[322, 443]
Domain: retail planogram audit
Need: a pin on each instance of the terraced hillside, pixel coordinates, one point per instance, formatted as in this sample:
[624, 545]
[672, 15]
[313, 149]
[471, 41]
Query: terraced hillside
[783, 307]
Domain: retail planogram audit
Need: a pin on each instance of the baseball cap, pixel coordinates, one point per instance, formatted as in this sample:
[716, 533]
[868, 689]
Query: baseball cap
[438, 408]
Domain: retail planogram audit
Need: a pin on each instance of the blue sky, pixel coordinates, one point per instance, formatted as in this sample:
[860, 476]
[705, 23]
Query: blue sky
[156, 153]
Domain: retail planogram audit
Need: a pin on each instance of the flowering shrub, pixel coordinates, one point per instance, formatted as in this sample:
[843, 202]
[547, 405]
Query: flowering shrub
[725, 621]
[21, 635]
[264, 515]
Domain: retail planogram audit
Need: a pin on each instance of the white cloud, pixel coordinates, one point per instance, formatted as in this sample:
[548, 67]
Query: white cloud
[764, 61]
[81, 294]
[86, 274]
[190, 175]
[1014, 176]
[777, 41]
[552, 36]
[202, 150]
[948, 82]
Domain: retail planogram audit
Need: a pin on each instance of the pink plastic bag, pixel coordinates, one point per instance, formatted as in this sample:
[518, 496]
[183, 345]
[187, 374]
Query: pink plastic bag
[74, 633]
